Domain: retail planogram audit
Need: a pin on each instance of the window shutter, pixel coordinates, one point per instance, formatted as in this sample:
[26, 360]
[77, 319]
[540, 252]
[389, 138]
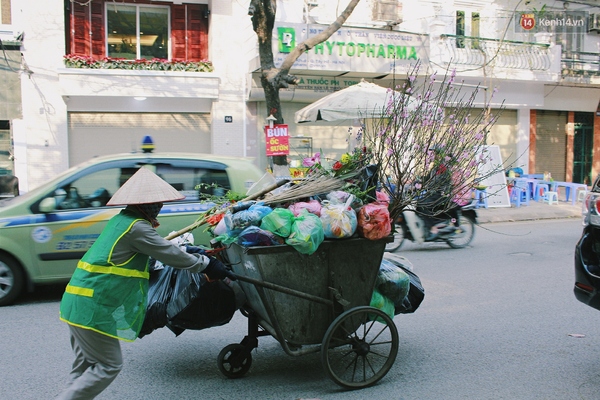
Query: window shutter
[178, 25]
[188, 20]
[98, 49]
[80, 29]
[197, 32]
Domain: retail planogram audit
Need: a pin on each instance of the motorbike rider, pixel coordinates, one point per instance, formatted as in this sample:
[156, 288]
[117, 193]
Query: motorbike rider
[446, 194]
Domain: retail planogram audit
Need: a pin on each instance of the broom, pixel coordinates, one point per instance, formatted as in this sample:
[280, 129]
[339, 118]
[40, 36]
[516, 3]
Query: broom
[306, 187]
[202, 221]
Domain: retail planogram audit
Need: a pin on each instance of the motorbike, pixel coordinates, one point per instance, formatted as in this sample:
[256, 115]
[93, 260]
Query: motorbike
[413, 226]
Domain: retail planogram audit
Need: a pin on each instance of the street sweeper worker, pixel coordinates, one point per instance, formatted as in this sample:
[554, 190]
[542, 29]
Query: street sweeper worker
[105, 300]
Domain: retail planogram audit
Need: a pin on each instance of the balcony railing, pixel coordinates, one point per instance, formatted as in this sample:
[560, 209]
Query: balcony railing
[476, 51]
[578, 63]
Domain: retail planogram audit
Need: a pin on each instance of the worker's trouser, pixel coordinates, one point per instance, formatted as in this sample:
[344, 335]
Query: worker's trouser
[98, 361]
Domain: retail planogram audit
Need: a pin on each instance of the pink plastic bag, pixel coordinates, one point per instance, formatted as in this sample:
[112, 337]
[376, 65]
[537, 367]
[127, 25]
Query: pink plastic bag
[374, 221]
[312, 206]
[382, 197]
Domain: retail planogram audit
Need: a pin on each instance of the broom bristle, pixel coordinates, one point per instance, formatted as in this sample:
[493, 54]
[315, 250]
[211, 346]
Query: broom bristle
[306, 188]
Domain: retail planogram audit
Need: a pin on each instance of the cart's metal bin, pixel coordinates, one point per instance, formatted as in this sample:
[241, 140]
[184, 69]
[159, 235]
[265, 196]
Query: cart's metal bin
[348, 265]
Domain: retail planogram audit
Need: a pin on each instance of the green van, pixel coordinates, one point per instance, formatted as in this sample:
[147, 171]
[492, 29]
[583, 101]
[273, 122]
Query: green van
[44, 232]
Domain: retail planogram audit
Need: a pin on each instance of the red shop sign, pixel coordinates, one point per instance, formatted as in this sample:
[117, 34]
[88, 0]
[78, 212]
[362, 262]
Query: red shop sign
[278, 140]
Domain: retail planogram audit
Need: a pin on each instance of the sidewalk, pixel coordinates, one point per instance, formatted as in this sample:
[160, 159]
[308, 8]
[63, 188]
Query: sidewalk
[534, 211]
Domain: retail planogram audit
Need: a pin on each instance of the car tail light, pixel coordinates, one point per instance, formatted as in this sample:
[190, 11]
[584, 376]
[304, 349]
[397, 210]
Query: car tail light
[586, 203]
[591, 209]
[584, 287]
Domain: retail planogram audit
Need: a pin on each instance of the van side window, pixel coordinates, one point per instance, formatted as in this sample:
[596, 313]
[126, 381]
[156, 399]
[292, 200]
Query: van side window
[187, 179]
[93, 190]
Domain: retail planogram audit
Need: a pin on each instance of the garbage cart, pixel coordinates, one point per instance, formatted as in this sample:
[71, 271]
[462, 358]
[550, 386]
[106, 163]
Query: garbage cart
[318, 302]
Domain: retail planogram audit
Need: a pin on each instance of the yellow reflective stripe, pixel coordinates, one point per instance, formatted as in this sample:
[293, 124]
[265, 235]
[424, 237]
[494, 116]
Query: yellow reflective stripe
[102, 269]
[110, 254]
[87, 292]
[95, 330]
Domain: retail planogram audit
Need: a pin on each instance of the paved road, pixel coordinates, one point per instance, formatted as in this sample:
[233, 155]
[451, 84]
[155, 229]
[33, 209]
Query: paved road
[495, 324]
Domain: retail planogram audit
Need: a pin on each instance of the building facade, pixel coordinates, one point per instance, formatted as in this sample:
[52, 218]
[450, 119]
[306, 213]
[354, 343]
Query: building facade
[56, 115]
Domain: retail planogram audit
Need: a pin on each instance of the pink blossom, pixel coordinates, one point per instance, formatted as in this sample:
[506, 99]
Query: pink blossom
[310, 161]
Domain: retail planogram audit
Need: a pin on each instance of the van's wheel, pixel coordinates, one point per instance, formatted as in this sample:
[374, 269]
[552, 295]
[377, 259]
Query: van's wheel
[11, 279]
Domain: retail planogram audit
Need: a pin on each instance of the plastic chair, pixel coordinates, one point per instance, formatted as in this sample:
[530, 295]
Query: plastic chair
[581, 195]
[481, 197]
[551, 198]
[519, 195]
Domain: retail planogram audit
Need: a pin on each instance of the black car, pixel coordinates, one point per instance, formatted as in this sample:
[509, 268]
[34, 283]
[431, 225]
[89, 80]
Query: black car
[587, 251]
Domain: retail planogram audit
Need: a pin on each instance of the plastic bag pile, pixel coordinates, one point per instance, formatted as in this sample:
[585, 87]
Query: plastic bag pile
[179, 299]
[398, 290]
[304, 224]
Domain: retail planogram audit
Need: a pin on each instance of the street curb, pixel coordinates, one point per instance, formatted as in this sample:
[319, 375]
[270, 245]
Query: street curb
[533, 212]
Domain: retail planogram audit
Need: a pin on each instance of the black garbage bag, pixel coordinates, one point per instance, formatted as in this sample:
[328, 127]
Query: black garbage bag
[159, 294]
[416, 293]
[369, 181]
[199, 304]
[180, 300]
[415, 296]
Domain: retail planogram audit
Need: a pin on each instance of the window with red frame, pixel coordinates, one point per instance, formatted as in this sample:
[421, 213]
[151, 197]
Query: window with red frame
[138, 30]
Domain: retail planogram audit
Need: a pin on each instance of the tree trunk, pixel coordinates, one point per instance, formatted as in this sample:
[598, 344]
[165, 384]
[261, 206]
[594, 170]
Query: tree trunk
[272, 78]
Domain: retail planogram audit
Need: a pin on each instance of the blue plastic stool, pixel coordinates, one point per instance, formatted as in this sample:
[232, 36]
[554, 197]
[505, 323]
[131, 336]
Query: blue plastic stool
[519, 195]
[481, 197]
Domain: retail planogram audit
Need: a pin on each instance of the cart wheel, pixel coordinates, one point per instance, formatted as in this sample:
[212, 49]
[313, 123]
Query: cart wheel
[359, 347]
[234, 360]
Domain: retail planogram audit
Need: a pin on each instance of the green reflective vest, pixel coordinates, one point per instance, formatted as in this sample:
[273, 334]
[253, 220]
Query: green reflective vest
[106, 297]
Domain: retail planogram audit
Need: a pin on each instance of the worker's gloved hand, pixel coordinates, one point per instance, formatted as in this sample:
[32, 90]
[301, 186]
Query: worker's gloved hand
[216, 270]
[194, 250]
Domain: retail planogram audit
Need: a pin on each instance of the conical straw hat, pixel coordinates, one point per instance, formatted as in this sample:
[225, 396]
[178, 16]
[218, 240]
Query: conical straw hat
[144, 187]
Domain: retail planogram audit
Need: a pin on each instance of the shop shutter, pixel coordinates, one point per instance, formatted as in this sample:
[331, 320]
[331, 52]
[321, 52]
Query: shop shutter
[96, 134]
[504, 134]
[550, 143]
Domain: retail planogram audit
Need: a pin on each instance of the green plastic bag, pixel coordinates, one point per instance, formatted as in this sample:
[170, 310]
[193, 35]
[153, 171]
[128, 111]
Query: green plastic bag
[307, 233]
[279, 221]
[382, 303]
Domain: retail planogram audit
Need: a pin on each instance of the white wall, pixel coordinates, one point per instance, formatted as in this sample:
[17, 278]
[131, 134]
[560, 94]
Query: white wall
[41, 137]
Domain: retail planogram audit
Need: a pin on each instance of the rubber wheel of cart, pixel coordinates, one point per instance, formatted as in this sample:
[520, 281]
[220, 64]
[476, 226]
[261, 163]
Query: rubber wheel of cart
[464, 238]
[398, 239]
[359, 347]
[234, 360]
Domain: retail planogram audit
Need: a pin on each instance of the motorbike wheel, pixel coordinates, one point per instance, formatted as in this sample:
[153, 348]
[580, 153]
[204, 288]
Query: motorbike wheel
[464, 238]
[398, 240]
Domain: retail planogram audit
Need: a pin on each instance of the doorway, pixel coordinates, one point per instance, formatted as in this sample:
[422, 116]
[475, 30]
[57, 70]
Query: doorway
[583, 148]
